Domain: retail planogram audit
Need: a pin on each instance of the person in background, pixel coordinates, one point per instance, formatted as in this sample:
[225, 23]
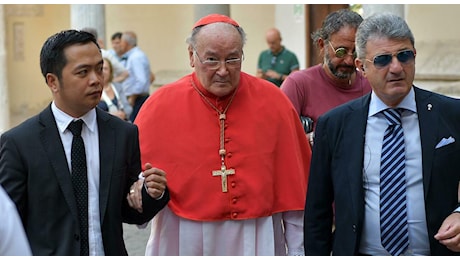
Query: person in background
[137, 86]
[116, 50]
[234, 150]
[13, 240]
[39, 166]
[277, 62]
[315, 90]
[120, 73]
[388, 161]
[113, 100]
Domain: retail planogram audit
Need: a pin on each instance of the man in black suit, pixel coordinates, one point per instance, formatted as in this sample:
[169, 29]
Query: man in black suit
[343, 207]
[35, 159]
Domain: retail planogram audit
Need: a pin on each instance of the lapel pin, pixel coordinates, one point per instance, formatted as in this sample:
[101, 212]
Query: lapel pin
[429, 106]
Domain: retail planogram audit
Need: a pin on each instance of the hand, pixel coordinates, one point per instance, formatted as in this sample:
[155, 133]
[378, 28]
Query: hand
[449, 232]
[155, 181]
[272, 74]
[135, 195]
[310, 137]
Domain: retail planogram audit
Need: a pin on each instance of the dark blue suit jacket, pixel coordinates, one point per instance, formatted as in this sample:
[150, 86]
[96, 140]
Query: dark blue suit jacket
[337, 168]
[35, 173]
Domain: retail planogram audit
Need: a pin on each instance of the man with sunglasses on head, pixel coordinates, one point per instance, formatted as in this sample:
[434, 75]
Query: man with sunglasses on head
[317, 89]
[388, 162]
[234, 150]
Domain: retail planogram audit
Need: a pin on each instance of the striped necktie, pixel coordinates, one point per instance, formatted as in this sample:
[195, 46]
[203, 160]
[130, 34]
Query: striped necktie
[393, 210]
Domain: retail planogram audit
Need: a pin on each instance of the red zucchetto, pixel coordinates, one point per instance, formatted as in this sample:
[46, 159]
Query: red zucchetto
[215, 18]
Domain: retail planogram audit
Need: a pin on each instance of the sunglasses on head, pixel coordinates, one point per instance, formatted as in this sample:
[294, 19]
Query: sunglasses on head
[342, 52]
[382, 60]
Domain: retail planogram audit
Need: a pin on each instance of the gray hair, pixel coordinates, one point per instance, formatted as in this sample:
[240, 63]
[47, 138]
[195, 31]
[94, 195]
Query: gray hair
[384, 25]
[336, 21]
[130, 38]
[191, 40]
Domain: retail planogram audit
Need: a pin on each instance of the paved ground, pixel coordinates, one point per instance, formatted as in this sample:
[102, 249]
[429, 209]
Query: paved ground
[135, 239]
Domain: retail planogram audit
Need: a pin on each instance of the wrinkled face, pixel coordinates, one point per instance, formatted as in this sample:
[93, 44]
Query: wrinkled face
[80, 88]
[341, 67]
[391, 75]
[116, 45]
[217, 42]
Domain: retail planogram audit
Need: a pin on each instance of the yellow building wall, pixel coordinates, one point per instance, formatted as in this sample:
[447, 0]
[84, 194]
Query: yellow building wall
[433, 22]
[161, 30]
[28, 92]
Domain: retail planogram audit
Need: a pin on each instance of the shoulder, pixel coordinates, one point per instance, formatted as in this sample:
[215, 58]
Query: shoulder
[306, 75]
[28, 131]
[262, 88]
[290, 53]
[452, 104]
[265, 53]
[109, 120]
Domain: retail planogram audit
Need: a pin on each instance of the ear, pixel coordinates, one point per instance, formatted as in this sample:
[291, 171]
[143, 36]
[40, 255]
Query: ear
[360, 65]
[191, 56]
[320, 43]
[53, 82]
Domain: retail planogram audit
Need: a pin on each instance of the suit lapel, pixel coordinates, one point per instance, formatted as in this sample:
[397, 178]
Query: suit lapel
[429, 124]
[52, 144]
[354, 130]
[107, 141]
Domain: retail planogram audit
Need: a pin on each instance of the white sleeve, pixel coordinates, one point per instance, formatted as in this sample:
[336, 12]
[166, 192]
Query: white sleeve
[293, 225]
[13, 240]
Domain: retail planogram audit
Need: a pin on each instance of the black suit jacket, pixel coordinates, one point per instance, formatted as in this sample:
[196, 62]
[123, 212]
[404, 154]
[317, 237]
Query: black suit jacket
[337, 168]
[35, 173]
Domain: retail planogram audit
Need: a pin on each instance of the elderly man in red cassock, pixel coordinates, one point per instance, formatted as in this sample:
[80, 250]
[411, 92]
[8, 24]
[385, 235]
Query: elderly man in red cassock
[234, 151]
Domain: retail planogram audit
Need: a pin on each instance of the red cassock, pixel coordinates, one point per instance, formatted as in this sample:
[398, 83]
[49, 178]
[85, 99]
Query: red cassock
[265, 145]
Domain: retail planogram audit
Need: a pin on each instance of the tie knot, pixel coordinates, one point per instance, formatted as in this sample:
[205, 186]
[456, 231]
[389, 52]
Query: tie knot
[75, 127]
[393, 115]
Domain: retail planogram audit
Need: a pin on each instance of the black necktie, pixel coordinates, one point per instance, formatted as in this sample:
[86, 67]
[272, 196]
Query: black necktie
[80, 182]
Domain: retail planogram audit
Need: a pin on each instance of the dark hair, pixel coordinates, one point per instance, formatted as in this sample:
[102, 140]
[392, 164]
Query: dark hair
[336, 21]
[116, 35]
[52, 57]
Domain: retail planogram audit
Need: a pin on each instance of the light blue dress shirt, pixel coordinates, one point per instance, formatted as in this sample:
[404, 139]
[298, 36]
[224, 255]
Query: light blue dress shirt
[138, 65]
[376, 125]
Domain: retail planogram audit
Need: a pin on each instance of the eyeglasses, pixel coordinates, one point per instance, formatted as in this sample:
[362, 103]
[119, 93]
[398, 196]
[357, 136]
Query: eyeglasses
[214, 64]
[382, 60]
[342, 52]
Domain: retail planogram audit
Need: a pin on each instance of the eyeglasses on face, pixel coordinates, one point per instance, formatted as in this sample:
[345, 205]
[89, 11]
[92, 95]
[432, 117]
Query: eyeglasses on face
[382, 60]
[213, 63]
[342, 52]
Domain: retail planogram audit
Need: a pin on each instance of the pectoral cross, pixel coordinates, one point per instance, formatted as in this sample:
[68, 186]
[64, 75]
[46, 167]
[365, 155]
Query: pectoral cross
[223, 172]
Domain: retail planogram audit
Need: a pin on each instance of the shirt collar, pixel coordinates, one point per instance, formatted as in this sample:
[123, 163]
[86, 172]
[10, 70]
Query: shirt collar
[63, 120]
[376, 104]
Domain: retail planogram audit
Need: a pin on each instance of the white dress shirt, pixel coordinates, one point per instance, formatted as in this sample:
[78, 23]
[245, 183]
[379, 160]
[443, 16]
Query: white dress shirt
[90, 137]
